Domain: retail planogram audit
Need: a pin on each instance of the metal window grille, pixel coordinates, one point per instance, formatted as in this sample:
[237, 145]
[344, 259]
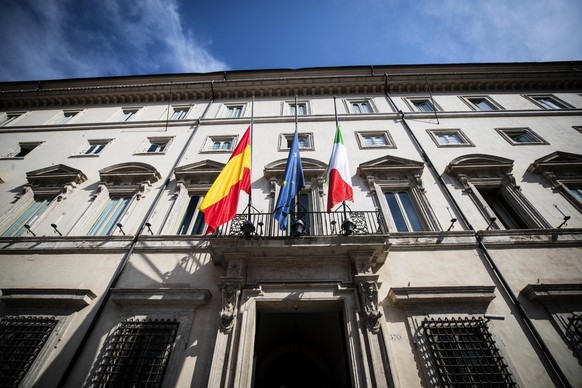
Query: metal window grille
[21, 339]
[137, 354]
[574, 333]
[465, 354]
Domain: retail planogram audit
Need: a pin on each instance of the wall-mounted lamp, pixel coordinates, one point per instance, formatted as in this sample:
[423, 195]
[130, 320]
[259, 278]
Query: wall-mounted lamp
[29, 230]
[348, 227]
[247, 229]
[491, 221]
[56, 230]
[453, 219]
[297, 228]
[565, 219]
[120, 228]
[494, 316]
[149, 226]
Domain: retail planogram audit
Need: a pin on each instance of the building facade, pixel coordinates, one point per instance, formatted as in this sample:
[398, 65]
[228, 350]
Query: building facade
[458, 263]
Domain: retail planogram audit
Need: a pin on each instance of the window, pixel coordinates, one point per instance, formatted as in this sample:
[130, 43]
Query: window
[127, 114]
[464, 353]
[549, 102]
[403, 213]
[155, 145]
[361, 107]
[8, 118]
[94, 147]
[138, 353]
[578, 128]
[22, 150]
[304, 140]
[64, 117]
[233, 111]
[488, 181]
[449, 137]
[482, 103]
[21, 340]
[193, 221]
[179, 113]
[219, 144]
[28, 217]
[520, 136]
[397, 187]
[423, 105]
[301, 109]
[375, 139]
[109, 217]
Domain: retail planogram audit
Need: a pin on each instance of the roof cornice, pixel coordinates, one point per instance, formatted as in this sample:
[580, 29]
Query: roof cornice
[354, 80]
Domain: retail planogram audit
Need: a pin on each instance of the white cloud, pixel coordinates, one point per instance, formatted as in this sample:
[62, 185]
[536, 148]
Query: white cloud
[499, 31]
[65, 38]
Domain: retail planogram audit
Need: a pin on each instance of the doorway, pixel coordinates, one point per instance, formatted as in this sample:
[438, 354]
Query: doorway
[300, 349]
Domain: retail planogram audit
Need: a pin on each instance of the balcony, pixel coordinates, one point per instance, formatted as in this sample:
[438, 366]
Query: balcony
[313, 224]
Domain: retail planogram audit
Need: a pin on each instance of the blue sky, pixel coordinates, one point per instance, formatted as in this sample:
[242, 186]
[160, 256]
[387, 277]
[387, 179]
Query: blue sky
[53, 39]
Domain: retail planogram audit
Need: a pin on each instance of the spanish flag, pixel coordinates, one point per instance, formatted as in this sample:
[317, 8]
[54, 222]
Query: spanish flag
[220, 203]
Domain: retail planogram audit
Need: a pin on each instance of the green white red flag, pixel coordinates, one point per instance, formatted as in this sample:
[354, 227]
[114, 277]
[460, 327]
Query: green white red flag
[338, 174]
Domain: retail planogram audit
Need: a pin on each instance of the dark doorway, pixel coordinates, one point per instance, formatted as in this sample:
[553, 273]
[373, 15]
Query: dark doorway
[300, 350]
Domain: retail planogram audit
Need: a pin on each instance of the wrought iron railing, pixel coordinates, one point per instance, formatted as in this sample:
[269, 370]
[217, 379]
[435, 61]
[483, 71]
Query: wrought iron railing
[306, 224]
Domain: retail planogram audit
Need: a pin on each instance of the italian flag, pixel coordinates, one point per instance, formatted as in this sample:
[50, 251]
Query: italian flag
[338, 174]
[221, 201]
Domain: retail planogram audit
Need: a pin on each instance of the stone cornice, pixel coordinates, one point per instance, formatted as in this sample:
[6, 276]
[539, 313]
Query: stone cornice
[47, 297]
[356, 80]
[405, 296]
[550, 293]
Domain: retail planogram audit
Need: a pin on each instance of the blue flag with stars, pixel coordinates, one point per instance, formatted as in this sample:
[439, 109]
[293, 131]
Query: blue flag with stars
[292, 183]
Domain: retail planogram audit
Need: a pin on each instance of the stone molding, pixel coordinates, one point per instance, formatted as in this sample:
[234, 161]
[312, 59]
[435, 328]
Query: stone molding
[166, 298]
[406, 296]
[550, 293]
[47, 297]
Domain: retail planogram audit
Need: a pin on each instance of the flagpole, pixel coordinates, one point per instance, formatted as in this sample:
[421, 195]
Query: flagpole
[251, 146]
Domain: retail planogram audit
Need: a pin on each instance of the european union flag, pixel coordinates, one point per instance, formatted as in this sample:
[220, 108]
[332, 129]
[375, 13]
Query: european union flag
[292, 183]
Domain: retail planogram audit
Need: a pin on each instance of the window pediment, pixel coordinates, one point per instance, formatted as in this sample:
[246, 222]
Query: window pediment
[129, 174]
[58, 175]
[479, 165]
[559, 164]
[312, 169]
[202, 172]
[390, 166]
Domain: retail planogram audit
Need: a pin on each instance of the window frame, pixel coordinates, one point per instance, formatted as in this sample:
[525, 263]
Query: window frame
[559, 103]
[91, 143]
[11, 117]
[284, 139]
[65, 117]
[287, 108]
[182, 111]
[228, 108]
[361, 138]
[128, 114]
[17, 150]
[414, 102]
[162, 142]
[508, 133]
[207, 146]
[492, 103]
[352, 103]
[464, 139]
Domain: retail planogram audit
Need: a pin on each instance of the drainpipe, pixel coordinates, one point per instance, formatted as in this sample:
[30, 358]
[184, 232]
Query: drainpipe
[558, 374]
[126, 257]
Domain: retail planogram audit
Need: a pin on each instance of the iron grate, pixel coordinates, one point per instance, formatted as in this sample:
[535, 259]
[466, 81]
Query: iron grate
[137, 354]
[465, 353]
[574, 333]
[21, 339]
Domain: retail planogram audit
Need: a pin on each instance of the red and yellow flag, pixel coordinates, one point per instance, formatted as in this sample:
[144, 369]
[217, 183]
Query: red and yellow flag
[221, 202]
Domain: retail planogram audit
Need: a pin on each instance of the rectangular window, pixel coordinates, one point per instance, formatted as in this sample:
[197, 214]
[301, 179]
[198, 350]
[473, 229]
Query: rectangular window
[110, 217]
[155, 145]
[374, 139]
[127, 114]
[549, 102]
[361, 107]
[179, 113]
[22, 150]
[465, 354]
[482, 103]
[65, 117]
[137, 354]
[424, 105]
[403, 212]
[508, 215]
[234, 111]
[35, 210]
[449, 137]
[8, 118]
[520, 136]
[193, 221]
[301, 109]
[21, 340]
[95, 147]
[304, 140]
[576, 193]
